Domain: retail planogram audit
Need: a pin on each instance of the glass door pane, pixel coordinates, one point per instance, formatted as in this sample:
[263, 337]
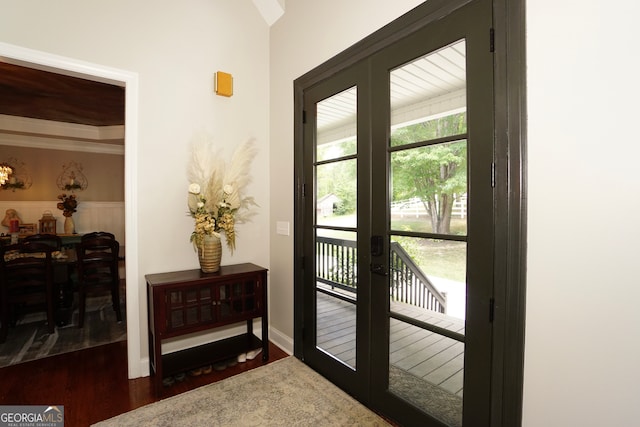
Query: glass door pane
[335, 224]
[428, 232]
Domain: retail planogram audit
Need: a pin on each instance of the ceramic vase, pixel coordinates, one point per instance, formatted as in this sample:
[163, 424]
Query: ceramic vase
[209, 254]
[69, 225]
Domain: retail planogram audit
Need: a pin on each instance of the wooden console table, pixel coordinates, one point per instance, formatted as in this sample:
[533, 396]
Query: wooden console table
[183, 302]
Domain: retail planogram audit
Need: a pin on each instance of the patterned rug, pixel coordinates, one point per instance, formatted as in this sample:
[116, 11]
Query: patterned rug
[30, 340]
[283, 393]
[430, 398]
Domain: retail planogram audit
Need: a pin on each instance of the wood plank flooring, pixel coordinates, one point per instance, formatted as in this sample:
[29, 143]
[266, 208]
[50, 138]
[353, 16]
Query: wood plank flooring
[92, 384]
[427, 355]
[336, 328]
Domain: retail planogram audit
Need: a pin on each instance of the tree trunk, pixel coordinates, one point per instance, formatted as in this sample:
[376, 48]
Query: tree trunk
[439, 209]
[446, 206]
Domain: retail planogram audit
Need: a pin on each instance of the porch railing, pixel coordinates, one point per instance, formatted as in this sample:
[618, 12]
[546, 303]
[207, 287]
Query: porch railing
[336, 263]
[409, 284]
[336, 266]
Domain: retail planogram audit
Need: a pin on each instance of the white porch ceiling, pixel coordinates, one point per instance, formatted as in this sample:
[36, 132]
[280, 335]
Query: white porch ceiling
[427, 87]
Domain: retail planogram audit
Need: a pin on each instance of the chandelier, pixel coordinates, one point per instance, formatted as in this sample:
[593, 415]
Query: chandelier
[14, 175]
[5, 171]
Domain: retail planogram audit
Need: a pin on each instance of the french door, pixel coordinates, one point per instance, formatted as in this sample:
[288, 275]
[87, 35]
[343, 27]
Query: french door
[397, 223]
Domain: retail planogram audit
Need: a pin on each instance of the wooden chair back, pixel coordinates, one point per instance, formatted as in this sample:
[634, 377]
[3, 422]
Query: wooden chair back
[95, 234]
[97, 266]
[26, 282]
[51, 239]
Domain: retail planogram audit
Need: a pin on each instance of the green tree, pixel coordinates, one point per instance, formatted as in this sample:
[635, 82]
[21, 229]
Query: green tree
[338, 177]
[433, 173]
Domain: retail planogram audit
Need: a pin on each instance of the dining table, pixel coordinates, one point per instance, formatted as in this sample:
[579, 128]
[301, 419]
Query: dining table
[64, 267]
[68, 240]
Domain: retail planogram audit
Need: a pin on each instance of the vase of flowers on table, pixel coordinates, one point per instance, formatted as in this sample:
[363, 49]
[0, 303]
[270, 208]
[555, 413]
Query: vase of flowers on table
[216, 198]
[68, 205]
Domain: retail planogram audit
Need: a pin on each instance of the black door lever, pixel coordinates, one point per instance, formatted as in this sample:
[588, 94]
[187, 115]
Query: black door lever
[378, 269]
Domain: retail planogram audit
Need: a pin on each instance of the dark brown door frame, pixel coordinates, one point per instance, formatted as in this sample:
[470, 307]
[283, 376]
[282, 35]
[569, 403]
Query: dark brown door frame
[510, 184]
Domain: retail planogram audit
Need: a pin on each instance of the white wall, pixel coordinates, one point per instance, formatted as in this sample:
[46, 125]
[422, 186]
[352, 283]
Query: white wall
[583, 318]
[175, 48]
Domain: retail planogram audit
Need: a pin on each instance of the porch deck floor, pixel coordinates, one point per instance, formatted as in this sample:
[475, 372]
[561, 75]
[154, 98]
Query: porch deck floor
[422, 353]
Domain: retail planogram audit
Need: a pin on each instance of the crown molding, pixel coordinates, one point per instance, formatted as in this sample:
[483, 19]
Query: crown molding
[26, 125]
[45, 134]
[31, 141]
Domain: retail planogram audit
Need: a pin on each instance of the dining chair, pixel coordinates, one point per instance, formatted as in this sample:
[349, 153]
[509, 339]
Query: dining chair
[51, 239]
[97, 267]
[62, 271]
[26, 282]
[95, 234]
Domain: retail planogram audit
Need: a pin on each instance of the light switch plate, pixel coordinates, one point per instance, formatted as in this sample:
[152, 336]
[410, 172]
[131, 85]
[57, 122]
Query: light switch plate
[282, 228]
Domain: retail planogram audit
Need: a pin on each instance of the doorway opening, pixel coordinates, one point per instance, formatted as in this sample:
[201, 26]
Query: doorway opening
[129, 81]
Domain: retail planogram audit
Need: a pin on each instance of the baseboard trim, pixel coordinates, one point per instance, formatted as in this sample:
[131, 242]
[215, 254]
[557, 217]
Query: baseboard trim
[282, 340]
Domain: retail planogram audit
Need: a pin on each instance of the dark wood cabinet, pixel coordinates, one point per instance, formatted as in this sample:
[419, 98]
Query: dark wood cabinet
[183, 302]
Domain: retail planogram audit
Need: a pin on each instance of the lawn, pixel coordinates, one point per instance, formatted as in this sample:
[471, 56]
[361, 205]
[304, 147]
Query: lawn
[437, 258]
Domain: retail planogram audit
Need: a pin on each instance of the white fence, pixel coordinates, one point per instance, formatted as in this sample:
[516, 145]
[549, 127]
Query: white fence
[415, 208]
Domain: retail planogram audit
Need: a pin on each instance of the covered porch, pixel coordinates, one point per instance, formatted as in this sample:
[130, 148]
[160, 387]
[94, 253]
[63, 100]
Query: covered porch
[424, 354]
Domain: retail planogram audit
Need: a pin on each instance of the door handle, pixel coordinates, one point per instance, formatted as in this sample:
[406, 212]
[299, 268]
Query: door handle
[377, 246]
[378, 269]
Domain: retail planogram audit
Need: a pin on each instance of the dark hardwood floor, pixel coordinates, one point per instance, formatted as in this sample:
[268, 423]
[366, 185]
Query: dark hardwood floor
[92, 384]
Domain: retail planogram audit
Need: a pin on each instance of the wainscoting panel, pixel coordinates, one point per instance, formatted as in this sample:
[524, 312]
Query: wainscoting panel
[90, 216]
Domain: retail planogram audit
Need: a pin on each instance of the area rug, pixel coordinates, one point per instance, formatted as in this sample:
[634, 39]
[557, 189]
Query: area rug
[283, 393]
[30, 340]
[430, 398]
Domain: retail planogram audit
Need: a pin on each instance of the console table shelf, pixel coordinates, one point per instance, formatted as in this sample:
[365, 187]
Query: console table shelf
[183, 302]
[195, 357]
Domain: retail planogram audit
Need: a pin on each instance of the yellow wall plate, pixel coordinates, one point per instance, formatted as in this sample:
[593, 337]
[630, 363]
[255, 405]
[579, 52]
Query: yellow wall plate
[223, 84]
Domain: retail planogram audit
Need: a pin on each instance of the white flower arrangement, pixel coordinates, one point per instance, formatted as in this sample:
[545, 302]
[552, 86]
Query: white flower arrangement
[216, 197]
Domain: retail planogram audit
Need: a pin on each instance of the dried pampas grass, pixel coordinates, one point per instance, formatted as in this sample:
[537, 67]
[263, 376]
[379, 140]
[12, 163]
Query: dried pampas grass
[222, 185]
